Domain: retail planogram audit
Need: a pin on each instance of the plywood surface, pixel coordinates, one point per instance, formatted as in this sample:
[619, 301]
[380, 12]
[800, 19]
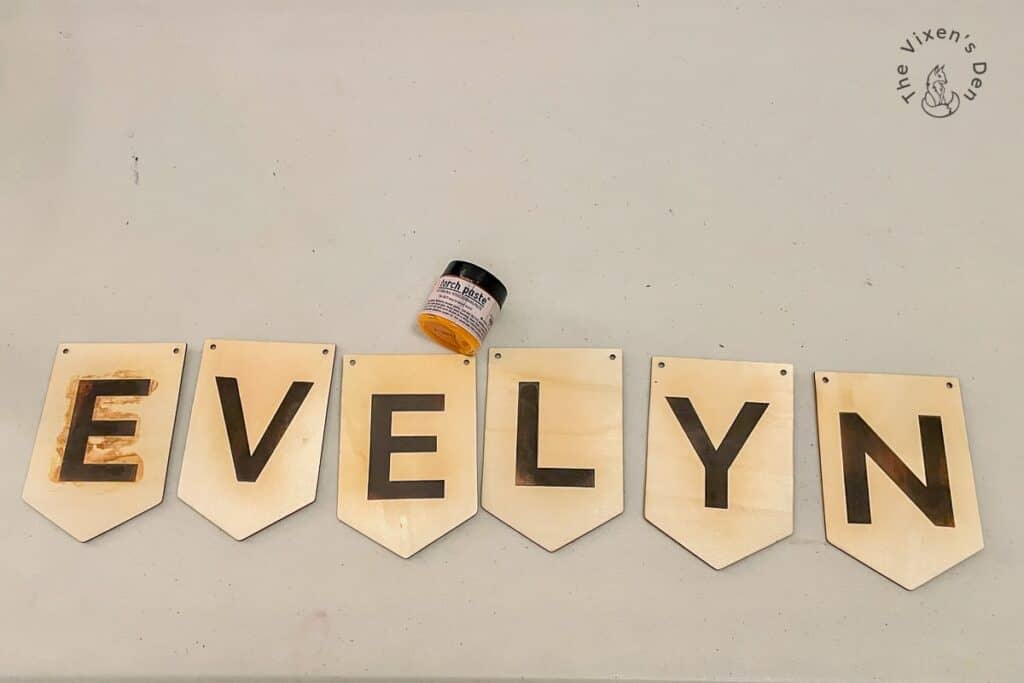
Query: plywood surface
[433, 399]
[892, 532]
[752, 506]
[574, 481]
[262, 377]
[733, 181]
[90, 502]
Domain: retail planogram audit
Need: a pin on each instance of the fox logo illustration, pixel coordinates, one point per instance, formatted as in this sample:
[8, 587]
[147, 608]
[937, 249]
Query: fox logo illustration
[938, 100]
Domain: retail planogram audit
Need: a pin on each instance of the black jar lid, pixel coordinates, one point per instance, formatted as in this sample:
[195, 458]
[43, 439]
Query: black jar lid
[480, 277]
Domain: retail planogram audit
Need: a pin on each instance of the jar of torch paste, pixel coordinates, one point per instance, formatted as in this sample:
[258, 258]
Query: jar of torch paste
[462, 307]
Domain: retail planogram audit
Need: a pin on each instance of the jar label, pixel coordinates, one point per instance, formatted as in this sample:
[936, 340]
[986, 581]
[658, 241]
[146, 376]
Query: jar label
[463, 303]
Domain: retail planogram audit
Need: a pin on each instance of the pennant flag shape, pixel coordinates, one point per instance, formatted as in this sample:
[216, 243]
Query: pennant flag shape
[256, 433]
[720, 455]
[896, 476]
[104, 438]
[553, 441]
[407, 460]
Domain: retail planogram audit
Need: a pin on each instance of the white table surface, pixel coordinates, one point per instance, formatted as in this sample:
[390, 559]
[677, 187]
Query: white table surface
[701, 179]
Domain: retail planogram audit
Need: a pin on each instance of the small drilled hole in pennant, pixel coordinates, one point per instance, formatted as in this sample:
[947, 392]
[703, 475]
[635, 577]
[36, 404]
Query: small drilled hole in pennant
[611, 356]
[661, 364]
[213, 347]
[497, 355]
[783, 372]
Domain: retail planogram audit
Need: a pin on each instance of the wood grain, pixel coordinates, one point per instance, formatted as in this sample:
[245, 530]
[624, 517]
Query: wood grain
[264, 372]
[86, 509]
[405, 525]
[900, 542]
[759, 508]
[579, 427]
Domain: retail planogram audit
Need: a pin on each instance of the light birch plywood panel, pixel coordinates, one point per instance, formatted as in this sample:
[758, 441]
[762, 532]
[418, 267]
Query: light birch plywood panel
[553, 441]
[407, 454]
[738, 417]
[256, 432]
[104, 438]
[896, 476]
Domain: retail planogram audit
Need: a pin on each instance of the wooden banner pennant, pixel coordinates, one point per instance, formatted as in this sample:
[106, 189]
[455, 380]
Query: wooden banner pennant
[407, 460]
[896, 476]
[720, 455]
[256, 433]
[553, 441]
[100, 456]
